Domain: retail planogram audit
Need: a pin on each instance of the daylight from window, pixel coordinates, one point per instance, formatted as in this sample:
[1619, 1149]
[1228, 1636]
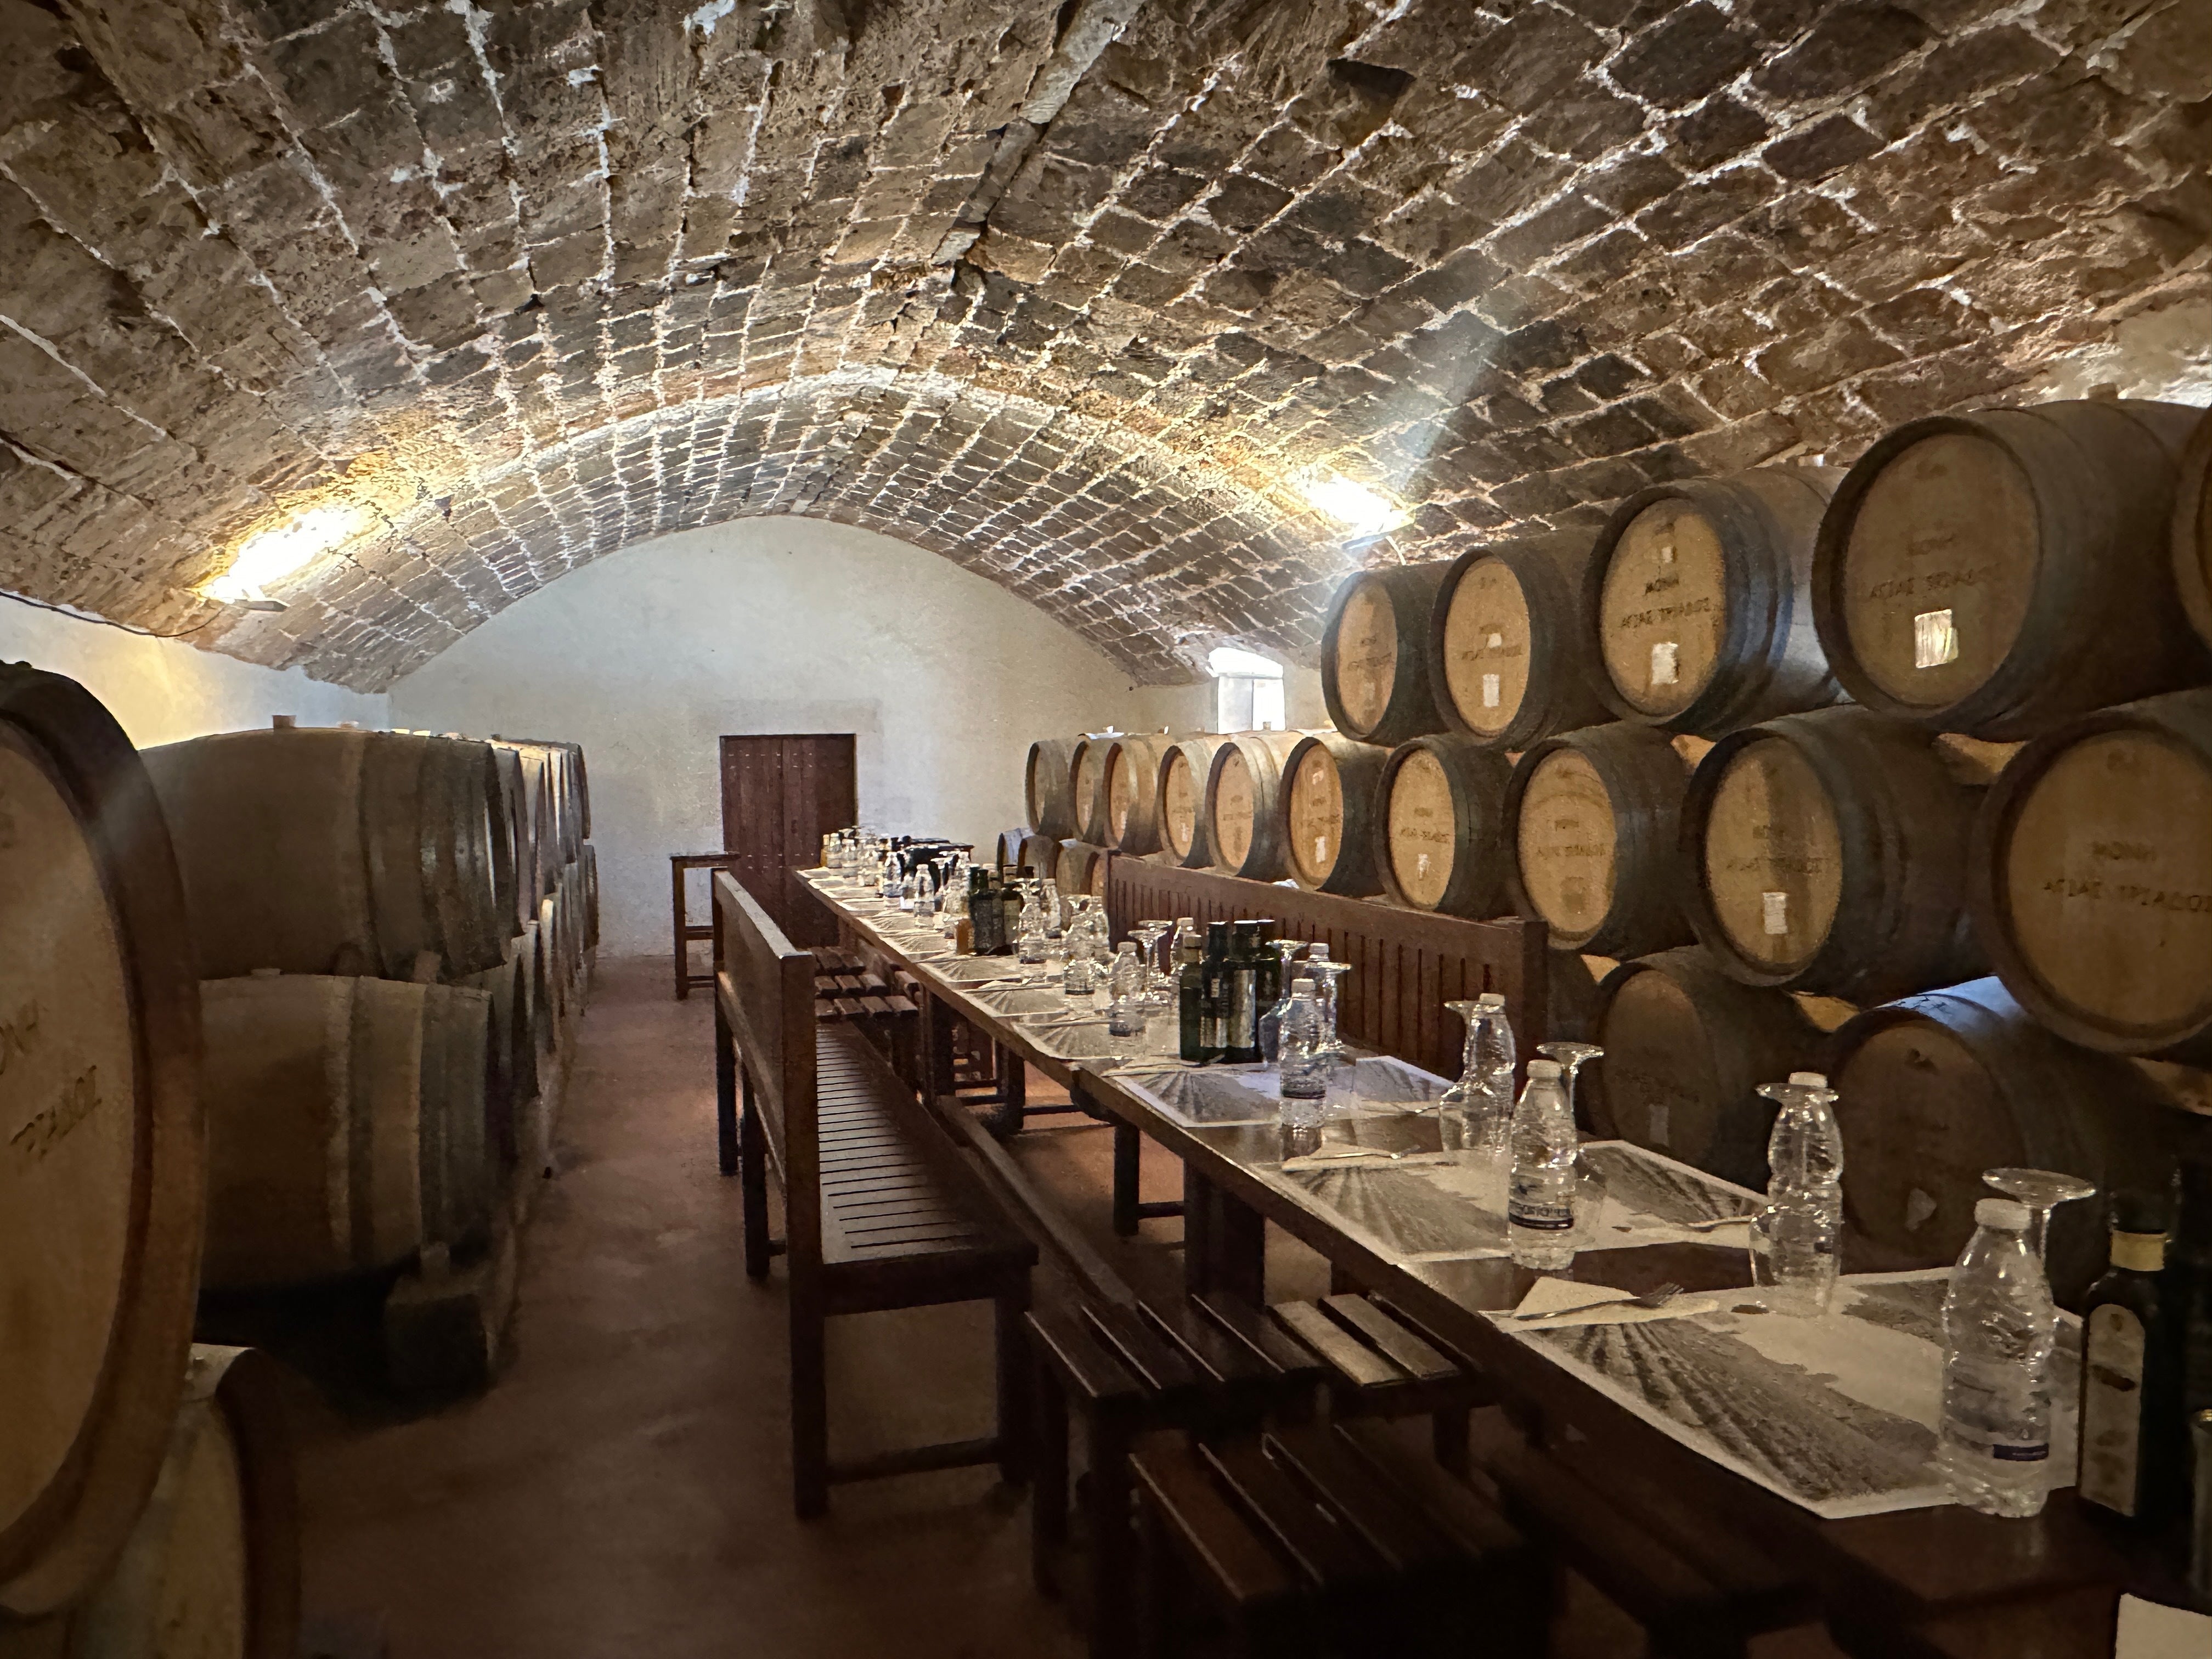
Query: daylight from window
[1247, 691]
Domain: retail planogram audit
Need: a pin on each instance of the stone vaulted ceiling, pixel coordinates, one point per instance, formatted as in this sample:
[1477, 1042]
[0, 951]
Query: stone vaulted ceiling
[1077, 295]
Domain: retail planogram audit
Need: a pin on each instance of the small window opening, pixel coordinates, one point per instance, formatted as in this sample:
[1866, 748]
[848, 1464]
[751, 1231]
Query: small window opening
[1247, 691]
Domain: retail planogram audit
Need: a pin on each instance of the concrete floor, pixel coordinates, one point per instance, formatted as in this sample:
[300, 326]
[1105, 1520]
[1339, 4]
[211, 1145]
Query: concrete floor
[624, 1489]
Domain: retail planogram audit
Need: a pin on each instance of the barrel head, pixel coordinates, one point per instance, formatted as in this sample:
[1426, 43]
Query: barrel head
[1419, 829]
[1773, 855]
[1663, 611]
[1566, 843]
[1487, 646]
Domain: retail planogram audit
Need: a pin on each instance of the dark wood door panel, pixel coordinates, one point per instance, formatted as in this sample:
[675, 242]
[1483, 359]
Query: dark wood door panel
[781, 795]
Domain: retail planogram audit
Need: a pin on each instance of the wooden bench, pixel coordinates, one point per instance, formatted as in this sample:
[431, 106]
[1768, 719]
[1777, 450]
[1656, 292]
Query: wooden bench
[880, 1209]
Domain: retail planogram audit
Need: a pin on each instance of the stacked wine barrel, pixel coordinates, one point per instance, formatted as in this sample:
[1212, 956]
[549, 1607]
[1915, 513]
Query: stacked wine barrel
[131, 1519]
[1798, 757]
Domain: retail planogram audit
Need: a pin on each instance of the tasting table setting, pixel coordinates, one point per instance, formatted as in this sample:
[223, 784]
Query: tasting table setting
[1814, 1438]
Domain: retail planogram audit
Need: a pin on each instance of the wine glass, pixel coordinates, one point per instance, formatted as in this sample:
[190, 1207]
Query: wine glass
[1482, 1099]
[1270, 1021]
[1148, 938]
[2042, 1191]
[1335, 1054]
[1571, 1056]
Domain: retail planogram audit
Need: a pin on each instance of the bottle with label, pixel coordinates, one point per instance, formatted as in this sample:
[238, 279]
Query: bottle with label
[2185, 1287]
[983, 911]
[1303, 1083]
[1190, 999]
[1539, 1199]
[1271, 1022]
[1999, 1330]
[1009, 918]
[1125, 1014]
[1213, 990]
[1240, 1044]
[1268, 983]
[2132, 1450]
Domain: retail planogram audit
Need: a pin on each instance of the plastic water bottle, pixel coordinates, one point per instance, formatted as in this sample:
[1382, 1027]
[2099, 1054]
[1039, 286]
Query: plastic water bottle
[1795, 1240]
[1303, 1062]
[1539, 1199]
[1999, 1329]
[1125, 1017]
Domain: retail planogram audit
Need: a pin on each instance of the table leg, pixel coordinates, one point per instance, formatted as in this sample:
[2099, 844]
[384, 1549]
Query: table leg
[1197, 1232]
[1240, 1249]
[1126, 1145]
[1005, 1118]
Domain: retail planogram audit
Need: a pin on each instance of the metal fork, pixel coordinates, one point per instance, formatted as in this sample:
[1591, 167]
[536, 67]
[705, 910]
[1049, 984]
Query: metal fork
[1658, 1296]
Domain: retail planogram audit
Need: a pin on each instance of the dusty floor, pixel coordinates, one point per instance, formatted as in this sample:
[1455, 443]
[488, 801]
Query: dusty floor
[624, 1489]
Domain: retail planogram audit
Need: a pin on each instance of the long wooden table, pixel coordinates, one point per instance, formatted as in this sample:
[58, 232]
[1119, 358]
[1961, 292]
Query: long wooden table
[1938, 1582]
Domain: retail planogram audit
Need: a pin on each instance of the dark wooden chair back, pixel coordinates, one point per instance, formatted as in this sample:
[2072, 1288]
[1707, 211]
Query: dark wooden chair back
[765, 990]
[1406, 964]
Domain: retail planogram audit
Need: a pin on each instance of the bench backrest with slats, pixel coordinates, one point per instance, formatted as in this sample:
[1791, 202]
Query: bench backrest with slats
[764, 989]
[1406, 964]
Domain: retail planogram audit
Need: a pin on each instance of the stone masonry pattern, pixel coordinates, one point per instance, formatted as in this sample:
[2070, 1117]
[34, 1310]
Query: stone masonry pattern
[1076, 294]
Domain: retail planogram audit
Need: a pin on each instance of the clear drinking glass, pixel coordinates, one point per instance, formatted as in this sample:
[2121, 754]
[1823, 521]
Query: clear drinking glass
[1572, 1057]
[1270, 1021]
[1480, 1105]
[1054, 927]
[2042, 1191]
[1332, 1053]
[1148, 938]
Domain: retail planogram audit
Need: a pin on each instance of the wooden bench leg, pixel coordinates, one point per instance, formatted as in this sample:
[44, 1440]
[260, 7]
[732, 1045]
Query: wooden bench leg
[809, 1400]
[1113, 1543]
[752, 1176]
[1015, 1433]
[1127, 1145]
[725, 1091]
[1240, 1249]
[1048, 1493]
[1155, 1615]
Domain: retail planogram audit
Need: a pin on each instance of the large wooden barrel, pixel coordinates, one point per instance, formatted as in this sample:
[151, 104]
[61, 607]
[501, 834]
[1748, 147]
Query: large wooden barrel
[513, 1059]
[1244, 825]
[1827, 852]
[1132, 793]
[1592, 827]
[1007, 851]
[513, 825]
[1375, 655]
[347, 1124]
[1997, 573]
[1184, 770]
[591, 868]
[2091, 881]
[1508, 659]
[1048, 786]
[1082, 869]
[1040, 855]
[1936, 1088]
[1686, 1048]
[102, 1151]
[211, 1570]
[1328, 805]
[335, 850]
[1695, 606]
[1441, 812]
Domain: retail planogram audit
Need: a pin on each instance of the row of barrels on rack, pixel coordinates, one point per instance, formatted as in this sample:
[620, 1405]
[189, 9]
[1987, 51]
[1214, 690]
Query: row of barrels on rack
[146, 1504]
[1993, 574]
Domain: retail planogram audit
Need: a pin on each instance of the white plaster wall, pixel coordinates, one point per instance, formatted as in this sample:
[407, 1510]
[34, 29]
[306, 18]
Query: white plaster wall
[165, 691]
[771, 625]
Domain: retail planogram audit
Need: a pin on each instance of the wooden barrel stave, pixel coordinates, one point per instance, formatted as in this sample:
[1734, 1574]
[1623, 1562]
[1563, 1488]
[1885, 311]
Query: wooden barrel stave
[1086, 787]
[1592, 832]
[1827, 852]
[1046, 790]
[1440, 811]
[2039, 539]
[1327, 806]
[1375, 655]
[1184, 771]
[1696, 605]
[1243, 822]
[1686, 1048]
[1131, 787]
[101, 1123]
[1509, 662]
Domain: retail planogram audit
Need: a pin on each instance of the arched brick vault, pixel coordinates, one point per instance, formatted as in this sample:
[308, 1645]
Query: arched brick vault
[1073, 293]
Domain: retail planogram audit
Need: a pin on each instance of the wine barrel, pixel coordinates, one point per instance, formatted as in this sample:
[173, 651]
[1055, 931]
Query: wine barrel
[1686, 1048]
[1047, 788]
[1041, 855]
[513, 828]
[2091, 879]
[346, 1124]
[1086, 786]
[1696, 613]
[1441, 804]
[1006, 850]
[1507, 655]
[1827, 852]
[1375, 655]
[211, 1570]
[1327, 803]
[1243, 825]
[512, 1065]
[1082, 869]
[320, 851]
[1594, 831]
[590, 897]
[1936, 1088]
[102, 1151]
[2000, 572]
[1184, 770]
[1132, 793]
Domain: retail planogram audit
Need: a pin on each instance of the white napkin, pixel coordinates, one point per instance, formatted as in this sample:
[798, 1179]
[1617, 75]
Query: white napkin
[1364, 1160]
[2151, 1631]
[1593, 1305]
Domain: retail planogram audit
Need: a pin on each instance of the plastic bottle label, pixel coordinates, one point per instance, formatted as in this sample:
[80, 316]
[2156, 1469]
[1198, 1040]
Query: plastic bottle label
[2112, 1406]
[1540, 1218]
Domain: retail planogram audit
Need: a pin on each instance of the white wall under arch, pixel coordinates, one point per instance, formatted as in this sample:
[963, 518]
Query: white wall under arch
[776, 624]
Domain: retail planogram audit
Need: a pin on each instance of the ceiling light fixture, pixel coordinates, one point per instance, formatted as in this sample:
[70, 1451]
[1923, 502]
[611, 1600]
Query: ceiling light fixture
[271, 555]
[1362, 511]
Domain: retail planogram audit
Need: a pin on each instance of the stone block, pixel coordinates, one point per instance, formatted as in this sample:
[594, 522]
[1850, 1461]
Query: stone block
[1693, 51]
[1848, 47]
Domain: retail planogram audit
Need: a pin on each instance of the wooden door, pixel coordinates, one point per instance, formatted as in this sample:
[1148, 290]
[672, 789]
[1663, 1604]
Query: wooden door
[781, 795]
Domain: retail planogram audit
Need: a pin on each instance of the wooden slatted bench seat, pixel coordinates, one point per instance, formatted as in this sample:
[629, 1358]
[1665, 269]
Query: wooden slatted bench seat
[880, 1209]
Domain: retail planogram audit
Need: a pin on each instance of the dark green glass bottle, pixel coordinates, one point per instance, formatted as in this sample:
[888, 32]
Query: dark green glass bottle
[982, 912]
[1213, 991]
[1240, 1035]
[1190, 1001]
[1270, 982]
[2133, 1454]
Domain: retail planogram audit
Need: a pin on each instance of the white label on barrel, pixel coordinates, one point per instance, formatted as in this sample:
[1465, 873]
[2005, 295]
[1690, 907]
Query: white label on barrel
[1918, 1206]
[1659, 1122]
[1777, 913]
[1490, 687]
[1935, 641]
[1664, 667]
[1321, 849]
[1421, 867]
[1665, 545]
[1496, 640]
